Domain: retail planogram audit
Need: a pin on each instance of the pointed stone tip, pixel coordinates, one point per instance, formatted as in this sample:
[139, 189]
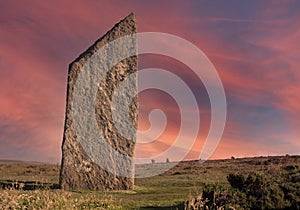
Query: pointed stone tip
[131, 16]
[128, 22]
[125, 26]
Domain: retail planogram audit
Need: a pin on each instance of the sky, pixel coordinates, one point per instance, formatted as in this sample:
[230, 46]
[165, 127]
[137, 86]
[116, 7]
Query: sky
[254, 46]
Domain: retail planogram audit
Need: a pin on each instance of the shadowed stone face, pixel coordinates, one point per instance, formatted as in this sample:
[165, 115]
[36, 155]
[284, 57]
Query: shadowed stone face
[94, 155]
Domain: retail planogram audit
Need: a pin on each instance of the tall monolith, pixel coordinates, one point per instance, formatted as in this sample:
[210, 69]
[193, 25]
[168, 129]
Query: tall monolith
[95, 155]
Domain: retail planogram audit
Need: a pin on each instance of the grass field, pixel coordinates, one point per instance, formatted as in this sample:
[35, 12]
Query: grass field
[244, 183]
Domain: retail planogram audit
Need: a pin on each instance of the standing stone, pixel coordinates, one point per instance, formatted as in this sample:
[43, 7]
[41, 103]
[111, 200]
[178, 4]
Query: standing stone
[78, 169]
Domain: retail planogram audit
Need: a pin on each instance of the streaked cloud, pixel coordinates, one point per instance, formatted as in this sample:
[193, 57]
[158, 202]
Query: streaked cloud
[254, 46]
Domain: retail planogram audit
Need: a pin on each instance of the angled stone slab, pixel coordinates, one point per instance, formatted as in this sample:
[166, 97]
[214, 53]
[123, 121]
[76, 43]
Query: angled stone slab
[99, 138]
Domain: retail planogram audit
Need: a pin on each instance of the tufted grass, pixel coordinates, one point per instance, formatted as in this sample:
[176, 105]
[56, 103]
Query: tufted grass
[167, 191]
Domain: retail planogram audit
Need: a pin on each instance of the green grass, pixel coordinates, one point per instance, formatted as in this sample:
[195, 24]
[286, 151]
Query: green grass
[181, 183]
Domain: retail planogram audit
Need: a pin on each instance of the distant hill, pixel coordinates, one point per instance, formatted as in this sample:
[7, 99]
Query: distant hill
[21, 161]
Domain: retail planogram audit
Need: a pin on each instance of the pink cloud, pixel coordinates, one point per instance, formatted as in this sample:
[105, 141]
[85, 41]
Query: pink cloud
[257, 60]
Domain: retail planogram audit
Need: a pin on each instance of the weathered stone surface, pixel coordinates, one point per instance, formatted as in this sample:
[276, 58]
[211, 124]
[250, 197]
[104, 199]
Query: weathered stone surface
[78, 169]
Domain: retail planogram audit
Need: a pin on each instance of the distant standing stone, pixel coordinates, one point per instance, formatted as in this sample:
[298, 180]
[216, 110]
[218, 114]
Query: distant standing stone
[78, 169]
